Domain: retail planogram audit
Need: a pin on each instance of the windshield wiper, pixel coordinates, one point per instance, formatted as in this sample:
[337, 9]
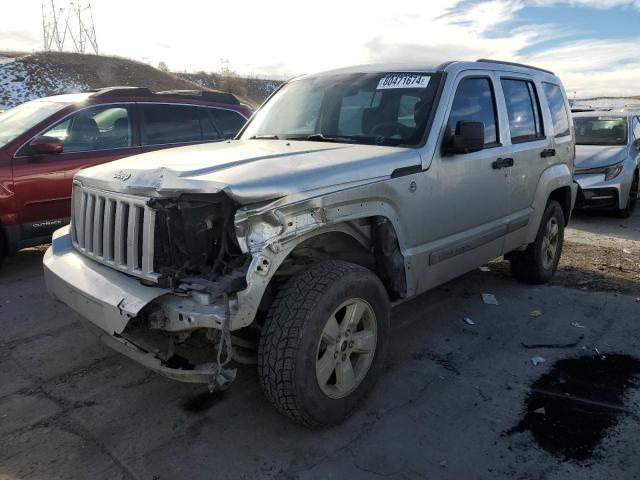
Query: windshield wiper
[264, 137]
[319, 137]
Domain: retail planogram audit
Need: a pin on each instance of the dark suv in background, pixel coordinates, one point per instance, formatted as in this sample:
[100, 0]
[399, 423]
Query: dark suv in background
[43, 143]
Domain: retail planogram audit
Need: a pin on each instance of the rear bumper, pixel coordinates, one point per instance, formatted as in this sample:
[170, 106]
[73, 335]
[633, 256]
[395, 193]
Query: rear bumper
[108, 299]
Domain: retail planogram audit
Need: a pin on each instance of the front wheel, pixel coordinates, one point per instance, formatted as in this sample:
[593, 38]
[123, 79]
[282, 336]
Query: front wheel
[627, 211]
[539, 261]
[324, 342]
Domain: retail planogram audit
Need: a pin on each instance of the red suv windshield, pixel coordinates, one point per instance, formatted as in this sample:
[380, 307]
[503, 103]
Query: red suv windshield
[18, 120]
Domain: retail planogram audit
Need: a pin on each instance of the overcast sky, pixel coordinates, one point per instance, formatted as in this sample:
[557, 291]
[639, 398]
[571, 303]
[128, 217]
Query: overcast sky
[593, 45]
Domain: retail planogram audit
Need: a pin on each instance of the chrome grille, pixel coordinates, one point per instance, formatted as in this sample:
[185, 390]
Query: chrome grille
[114, 229]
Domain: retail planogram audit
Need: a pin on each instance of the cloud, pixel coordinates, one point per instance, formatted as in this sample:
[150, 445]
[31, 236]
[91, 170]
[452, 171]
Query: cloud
[338, 33]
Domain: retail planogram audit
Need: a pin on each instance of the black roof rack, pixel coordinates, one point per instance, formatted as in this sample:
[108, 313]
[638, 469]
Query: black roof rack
[211, 95]
[120, 91]
[513, 64]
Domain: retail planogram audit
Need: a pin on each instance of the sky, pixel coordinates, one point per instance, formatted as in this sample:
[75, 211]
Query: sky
[593, 45]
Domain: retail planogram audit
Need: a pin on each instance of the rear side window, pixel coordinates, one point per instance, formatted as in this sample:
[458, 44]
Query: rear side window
[93, 129]
[558, 109]
[166, 124]
[475, 102]
[523, 110]
[228, 121]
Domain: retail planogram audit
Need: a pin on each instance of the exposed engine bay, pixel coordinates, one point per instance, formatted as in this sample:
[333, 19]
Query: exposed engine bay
[194, 242]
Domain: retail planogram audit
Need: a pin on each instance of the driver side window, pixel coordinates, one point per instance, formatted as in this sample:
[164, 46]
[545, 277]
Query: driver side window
[636, 128]
[475, 102]
[93, 129]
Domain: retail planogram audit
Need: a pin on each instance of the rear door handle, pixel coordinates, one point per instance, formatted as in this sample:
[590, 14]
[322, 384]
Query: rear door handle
[549, 152]
[502, 163]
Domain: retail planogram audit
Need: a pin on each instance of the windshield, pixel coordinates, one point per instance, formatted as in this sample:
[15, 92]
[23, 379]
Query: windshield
[600, 130]
[18, 120]
[369, 108]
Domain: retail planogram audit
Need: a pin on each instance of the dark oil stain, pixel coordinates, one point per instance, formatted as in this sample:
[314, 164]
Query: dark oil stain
[202, 401]
[570, 409]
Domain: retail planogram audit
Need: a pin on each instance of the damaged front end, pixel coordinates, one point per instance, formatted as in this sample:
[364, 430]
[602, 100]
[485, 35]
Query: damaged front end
[197, 257]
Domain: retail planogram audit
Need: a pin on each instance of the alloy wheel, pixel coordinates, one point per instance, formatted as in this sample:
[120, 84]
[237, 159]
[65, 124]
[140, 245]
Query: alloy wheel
[550, 243]
[346, 348]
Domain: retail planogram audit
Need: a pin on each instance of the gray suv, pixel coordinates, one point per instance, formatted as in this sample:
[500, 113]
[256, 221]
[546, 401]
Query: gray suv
[347, 191]
[608, 160]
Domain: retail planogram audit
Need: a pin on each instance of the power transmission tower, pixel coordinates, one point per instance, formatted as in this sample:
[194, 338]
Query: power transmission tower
[52, 24]
[76, 20]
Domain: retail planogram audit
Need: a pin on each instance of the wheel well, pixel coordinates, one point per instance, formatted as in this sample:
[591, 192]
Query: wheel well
[373, 245]
[562, 195]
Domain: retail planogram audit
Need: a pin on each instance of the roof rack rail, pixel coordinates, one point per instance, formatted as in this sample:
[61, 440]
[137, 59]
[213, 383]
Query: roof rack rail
[212, 95]
[118, 91]
[514, 64]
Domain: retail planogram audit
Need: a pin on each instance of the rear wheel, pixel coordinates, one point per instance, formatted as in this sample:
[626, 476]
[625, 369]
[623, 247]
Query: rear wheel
[539, 261]
[323, 343]
[627, 211]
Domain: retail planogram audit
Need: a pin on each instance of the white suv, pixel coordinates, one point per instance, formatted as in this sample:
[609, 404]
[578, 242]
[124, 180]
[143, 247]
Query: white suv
[347, 190]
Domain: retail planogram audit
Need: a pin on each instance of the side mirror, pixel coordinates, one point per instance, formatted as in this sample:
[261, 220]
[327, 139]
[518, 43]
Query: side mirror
[45, 145]
[469, 137]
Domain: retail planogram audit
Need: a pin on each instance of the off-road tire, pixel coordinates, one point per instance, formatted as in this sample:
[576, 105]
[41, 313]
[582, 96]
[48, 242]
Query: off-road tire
[627, 211]
[528, 266]
[288, 346]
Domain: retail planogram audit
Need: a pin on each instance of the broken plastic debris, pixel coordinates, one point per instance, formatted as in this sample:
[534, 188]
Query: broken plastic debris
[577, 325]
[489, 299]
[537, 361]
[540, 410]
[484, 269]
[625, 250]
[443, 464]
[536, 313]
[601, 355]
[468, 321]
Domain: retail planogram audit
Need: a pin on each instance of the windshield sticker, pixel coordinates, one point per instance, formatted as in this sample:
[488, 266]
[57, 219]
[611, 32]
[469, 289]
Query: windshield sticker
[403, 80]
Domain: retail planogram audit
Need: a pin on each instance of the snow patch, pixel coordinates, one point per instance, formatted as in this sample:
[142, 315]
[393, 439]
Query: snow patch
[21, 81]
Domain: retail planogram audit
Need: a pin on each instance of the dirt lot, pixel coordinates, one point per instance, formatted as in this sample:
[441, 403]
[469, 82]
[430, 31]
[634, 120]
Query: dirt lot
[455, 400]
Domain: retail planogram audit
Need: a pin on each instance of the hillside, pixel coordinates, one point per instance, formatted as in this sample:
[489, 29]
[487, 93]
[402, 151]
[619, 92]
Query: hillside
[256, 90]
[25, 77]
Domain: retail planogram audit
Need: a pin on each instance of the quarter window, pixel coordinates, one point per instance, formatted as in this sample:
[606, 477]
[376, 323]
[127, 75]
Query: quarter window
[559, 113]
[228, 121]
[636, 128]
[98, 128]
[475, 102]
[165, 124]
[523, 110]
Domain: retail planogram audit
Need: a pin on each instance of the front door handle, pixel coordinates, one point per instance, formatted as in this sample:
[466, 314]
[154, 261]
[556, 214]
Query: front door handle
[549, 152]
[502, 163]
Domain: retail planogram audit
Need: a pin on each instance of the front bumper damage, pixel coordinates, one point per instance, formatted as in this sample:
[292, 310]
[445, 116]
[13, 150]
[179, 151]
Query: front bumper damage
[111, 300]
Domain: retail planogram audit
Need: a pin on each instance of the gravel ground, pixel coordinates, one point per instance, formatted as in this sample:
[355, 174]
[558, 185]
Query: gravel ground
[451, 403]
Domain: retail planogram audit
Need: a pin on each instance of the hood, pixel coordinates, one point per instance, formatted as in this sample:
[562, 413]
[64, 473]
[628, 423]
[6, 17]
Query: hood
[250, 170]
[594, 156]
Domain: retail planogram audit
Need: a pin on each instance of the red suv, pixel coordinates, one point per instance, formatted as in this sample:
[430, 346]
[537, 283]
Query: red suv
[43, 144]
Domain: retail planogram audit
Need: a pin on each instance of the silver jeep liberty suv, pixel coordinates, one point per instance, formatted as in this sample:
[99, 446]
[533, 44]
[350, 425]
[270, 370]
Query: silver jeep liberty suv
[346, 191]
